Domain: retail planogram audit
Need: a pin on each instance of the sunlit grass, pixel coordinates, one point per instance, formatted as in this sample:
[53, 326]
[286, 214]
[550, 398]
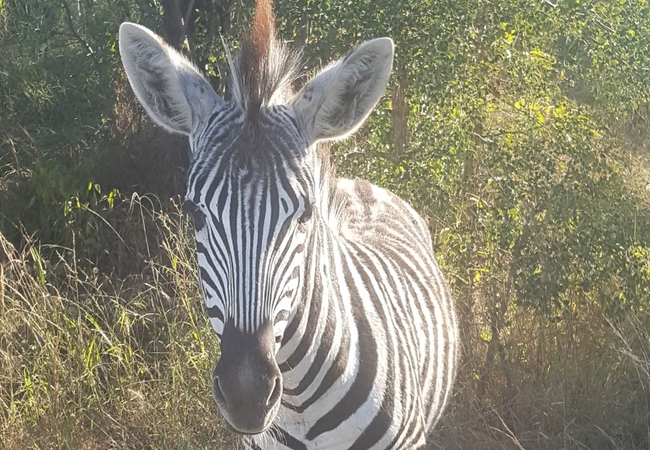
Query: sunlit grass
[93, 362]
[90, 360]
[575, 384]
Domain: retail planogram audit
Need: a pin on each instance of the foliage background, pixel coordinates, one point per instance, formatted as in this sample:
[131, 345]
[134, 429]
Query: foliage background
[520, 129]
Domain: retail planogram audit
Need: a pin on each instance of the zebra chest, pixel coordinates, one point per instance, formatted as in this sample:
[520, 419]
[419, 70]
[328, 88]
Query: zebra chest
[352, 401]
[294, 432]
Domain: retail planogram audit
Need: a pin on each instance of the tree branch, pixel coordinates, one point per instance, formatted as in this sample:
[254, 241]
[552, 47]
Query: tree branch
[77, 36]
[186, 19]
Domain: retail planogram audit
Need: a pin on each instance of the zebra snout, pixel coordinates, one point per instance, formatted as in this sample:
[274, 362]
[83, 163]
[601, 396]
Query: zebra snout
[247, 383]
[247, 401]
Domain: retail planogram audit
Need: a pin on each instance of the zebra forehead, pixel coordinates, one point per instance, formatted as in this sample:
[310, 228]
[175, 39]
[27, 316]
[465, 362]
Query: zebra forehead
[269, 151]
[276, 130]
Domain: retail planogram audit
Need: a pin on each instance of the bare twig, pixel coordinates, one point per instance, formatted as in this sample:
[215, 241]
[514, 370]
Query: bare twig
[508, 431]
[186, 19]
[84, 43]
[188, 13]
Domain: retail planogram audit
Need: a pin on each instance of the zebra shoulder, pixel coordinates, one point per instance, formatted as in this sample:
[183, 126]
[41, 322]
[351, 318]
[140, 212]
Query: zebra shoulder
[368, 210]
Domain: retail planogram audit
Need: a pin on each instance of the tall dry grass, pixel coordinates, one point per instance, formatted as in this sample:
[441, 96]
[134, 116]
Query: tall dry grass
[577, 384]
[90, 360]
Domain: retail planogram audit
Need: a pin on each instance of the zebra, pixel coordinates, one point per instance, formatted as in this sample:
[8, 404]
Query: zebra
[335, 323]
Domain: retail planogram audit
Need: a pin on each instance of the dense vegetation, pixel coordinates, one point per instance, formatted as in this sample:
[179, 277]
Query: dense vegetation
[520, 129]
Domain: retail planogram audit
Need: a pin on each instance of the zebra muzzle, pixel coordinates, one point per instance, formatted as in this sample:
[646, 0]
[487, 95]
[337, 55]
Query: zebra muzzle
[247, 382]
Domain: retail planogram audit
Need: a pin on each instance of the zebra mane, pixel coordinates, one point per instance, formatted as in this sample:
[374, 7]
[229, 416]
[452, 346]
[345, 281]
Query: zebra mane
[265, 68]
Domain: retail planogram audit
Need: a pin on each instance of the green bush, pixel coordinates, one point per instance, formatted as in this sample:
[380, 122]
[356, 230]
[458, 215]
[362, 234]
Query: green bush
[519, 129]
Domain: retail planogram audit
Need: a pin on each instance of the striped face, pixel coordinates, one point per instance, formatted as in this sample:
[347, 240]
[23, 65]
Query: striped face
[250, 195]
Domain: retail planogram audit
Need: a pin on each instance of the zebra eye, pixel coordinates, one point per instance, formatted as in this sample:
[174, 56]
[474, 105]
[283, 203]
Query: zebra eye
[306, 214]
[192, 209]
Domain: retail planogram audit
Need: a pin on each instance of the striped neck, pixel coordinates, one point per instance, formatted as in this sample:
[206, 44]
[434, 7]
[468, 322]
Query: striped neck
[320, 323]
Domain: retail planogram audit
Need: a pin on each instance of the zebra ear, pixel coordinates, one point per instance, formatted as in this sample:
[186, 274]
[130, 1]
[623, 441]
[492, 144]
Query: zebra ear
[337, 101]
[170, 88]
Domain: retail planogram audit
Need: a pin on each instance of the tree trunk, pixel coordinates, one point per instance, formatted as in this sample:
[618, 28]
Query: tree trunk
[176, 16]
[400, 112]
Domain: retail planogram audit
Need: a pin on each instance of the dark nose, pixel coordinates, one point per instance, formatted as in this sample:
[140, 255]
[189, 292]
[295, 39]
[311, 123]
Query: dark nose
[247, 383]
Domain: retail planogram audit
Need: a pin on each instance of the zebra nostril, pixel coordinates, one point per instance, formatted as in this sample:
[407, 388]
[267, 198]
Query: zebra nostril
[275, 393]
[218, 393]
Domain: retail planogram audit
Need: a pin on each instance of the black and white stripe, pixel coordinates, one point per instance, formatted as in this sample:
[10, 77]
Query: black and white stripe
[364, 325]
[336, 326]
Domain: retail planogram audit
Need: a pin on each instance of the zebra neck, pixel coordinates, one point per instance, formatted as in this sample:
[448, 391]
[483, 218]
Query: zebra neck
[321, 341]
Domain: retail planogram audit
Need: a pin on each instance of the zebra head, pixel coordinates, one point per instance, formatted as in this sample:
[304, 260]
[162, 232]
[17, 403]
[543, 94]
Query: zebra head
[257, 188]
